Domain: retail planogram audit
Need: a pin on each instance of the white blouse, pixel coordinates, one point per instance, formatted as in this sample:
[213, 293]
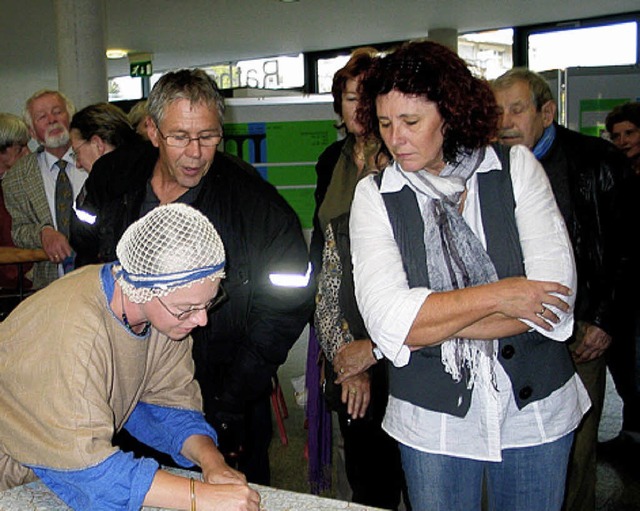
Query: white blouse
[389, 308]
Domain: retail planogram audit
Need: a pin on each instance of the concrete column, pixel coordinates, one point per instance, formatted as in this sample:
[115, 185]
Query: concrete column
[81, 47]
[446, 36]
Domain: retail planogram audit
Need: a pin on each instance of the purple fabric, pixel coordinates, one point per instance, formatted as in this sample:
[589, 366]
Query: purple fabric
[318, 420]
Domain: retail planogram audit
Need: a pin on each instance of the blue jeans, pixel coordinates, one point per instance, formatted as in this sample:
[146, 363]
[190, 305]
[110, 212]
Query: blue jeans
[527, 479]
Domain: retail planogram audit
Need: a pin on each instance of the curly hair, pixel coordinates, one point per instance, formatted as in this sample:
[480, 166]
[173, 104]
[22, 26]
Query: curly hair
[433, 71]
[359, 62]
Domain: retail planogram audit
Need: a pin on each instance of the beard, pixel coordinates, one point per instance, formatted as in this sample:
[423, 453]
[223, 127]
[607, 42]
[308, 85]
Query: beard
[55, 141]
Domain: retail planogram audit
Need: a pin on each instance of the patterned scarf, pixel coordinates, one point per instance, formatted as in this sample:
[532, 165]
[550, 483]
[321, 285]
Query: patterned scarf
[455, 259]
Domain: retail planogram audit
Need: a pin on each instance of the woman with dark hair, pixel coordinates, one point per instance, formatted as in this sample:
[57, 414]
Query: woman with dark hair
[343, 163]
[358, 396]
[464, 276]
[95, 131]
[623, 126]
[98, 129]
[623, 360]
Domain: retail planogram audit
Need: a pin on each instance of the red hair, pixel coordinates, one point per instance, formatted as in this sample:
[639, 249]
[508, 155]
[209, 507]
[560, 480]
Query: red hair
[433, 71]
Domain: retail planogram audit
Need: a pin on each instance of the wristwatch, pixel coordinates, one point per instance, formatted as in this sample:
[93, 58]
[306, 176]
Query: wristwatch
[377, 354]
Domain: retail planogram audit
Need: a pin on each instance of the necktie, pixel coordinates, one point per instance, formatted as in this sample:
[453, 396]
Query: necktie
[64, 199]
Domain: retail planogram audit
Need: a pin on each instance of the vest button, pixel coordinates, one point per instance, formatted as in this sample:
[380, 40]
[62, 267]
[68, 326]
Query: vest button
[508, 351]
[525, 392]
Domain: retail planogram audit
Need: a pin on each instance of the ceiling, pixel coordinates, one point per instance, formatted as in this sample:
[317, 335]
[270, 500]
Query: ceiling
[183, 33]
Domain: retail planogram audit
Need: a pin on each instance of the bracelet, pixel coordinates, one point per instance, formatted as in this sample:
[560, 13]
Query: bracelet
[192, 493]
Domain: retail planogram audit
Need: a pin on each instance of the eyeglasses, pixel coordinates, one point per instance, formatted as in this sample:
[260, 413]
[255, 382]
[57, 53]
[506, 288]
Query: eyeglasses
[75, 149]
[206, 140]
[216, 301]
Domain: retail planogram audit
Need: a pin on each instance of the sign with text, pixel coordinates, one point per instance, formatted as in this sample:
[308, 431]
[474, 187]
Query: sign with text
[139, 69]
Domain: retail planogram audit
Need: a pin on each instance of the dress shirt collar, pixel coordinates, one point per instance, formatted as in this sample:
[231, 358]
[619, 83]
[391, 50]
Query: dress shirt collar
[51, 160]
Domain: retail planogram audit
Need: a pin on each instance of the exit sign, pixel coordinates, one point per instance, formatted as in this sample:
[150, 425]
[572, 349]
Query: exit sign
[138, 69]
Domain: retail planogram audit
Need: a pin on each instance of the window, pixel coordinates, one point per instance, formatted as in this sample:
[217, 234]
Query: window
[489, 54]
[326, 69]
[604, 45]
[282, 72]
[125, 87]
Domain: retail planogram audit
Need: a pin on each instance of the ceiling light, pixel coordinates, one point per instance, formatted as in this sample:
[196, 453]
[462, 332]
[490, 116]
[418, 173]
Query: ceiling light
[116, 54]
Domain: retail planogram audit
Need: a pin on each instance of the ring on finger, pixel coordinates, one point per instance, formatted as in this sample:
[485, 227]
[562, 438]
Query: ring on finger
[353, 391]
[342, 370]
[544, 309]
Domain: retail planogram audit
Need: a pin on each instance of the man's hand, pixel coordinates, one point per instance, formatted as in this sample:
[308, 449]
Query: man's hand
[55, 244]
[593, 344]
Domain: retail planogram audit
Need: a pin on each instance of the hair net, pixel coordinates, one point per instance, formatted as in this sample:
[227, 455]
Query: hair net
[170, 247]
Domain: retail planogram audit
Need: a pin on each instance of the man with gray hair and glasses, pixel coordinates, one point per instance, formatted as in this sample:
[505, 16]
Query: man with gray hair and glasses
[270, 295]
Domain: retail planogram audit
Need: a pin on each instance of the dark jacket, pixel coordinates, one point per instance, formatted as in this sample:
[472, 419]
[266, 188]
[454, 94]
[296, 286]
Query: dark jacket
[585, 173]
[247, 338]
[324, 170]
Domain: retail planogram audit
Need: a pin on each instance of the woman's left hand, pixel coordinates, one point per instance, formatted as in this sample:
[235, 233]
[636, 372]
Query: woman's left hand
[356, 393]
[352, 359]
[222, 474]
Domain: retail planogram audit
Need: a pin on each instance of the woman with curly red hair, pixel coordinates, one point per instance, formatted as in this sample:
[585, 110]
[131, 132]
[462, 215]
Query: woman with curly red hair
[465, 278]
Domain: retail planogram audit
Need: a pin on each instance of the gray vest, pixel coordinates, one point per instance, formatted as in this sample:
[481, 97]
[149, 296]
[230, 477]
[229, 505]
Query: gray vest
[535, 364]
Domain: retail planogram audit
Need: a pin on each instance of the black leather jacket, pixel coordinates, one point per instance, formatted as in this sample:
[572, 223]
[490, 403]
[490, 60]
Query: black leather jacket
[248, 337]
[585, 174]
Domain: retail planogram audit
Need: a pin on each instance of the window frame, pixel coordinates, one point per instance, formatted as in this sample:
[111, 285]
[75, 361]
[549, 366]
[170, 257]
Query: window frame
[520, 54]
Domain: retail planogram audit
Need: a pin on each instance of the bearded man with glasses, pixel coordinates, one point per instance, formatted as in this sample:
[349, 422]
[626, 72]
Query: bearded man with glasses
[270, 295]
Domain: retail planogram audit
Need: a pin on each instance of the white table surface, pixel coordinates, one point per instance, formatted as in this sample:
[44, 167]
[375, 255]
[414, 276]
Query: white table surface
[37, 497]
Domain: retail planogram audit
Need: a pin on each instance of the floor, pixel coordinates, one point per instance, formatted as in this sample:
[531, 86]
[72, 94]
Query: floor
[619, 475]
[618, 478]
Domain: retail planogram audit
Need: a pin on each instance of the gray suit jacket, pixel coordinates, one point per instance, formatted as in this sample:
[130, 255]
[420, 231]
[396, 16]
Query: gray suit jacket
[27, 204]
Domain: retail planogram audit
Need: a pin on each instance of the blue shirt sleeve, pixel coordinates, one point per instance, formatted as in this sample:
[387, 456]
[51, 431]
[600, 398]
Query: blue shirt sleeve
[166, 429]
[119, 482]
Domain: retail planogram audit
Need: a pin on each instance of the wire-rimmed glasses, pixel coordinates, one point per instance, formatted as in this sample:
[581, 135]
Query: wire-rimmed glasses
[216, 301]
[209, 139]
